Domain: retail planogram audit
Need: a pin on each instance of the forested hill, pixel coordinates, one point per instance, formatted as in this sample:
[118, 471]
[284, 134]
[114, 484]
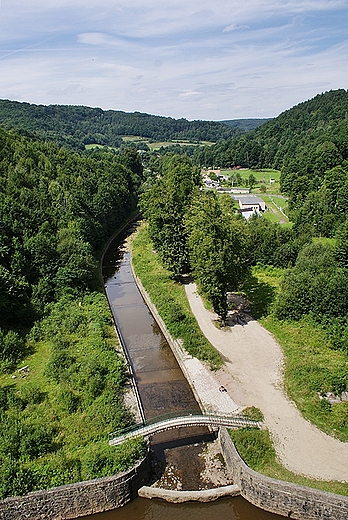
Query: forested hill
[57, 209]
[303, 142]
[77, 126]
[246, 125]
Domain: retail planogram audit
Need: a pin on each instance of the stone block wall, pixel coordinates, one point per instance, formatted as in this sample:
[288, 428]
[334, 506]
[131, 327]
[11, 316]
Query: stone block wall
[277, 496]
[80, 499]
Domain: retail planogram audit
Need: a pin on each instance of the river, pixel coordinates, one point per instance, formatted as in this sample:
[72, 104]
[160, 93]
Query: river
[162, 389]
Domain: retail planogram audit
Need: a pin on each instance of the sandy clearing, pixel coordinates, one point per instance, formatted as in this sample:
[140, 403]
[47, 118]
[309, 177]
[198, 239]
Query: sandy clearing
[253, 376]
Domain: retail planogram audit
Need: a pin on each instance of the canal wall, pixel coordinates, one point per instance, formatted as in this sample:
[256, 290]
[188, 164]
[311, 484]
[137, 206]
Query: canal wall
[277, 496]
[79, 499]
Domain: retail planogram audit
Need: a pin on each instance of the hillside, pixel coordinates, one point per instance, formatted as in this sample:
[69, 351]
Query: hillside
[246, 125]
[57, 210]
[303, 142]
[78, 126]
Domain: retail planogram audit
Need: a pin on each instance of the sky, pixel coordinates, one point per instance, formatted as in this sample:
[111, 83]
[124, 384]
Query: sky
[196, 59]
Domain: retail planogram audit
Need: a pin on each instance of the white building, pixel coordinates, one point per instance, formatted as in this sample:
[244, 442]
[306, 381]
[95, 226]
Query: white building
[250, 204]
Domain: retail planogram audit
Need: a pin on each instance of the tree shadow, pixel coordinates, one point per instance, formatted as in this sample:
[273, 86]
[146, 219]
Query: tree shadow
[261, 296]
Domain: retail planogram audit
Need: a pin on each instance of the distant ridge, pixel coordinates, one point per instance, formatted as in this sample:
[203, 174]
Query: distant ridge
[77, 126]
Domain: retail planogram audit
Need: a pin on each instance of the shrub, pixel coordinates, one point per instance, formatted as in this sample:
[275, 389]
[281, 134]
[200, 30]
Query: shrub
[254, 446]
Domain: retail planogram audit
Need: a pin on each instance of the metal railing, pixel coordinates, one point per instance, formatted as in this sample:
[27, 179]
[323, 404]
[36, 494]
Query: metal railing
[163, 423]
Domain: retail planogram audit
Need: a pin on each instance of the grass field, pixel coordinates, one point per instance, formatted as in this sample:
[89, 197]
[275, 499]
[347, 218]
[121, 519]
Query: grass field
[263, 178]
[153, 145]
[277, 208]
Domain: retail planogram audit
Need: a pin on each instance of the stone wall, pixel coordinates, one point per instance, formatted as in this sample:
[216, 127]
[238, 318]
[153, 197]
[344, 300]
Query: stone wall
[80, 499]
[276, 496]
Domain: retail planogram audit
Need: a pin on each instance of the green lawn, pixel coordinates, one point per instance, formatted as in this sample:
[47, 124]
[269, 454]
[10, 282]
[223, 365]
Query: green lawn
[277, 208]
[263, 178]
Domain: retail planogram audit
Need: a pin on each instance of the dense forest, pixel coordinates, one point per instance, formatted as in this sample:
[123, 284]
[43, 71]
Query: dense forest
[57, 210]
[309, 144]
[303, 142]
[245, 124]
[77, 126]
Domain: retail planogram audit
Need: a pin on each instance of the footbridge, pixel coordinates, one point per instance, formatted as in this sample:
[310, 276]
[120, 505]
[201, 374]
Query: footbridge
[164, 423]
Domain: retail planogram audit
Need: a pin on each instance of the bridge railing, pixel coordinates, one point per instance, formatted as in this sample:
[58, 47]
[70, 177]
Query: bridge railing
[153, 420]
[173, 415]
[170, 421]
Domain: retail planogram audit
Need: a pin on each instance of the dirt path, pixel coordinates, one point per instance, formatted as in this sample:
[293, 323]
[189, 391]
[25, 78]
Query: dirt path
[252, 375]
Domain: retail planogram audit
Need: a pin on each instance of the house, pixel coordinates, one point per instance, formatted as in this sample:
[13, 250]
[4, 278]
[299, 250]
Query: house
[250, 204]
[210, 183]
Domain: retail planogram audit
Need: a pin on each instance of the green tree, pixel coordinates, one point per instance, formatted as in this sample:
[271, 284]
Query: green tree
[315, 285]
[218, 249]
[165, 205]
[252, 180]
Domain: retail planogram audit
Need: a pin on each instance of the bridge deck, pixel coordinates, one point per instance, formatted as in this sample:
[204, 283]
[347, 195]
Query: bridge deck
[148, 430]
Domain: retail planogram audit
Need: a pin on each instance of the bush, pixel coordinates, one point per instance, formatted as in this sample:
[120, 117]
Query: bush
[36, 440]
[254, 446]
[12, 349]
[59, 365]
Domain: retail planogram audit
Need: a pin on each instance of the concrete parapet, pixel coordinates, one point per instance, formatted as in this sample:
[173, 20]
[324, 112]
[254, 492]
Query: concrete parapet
[277, 496]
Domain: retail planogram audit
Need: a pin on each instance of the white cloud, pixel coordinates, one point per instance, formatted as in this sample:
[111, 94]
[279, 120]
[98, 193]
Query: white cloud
[96, 38]
[234, 27]
[197, 59]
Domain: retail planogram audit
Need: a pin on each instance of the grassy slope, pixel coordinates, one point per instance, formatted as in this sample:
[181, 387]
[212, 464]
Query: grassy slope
[256, 449]
[67, 404]
[170, 300]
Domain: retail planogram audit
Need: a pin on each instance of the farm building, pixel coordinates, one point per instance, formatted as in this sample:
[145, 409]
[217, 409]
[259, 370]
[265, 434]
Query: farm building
[250, 204]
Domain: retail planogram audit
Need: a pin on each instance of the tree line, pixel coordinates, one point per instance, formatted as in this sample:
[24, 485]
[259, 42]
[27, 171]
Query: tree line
[57, 209]
[198, 232]
[77, 126]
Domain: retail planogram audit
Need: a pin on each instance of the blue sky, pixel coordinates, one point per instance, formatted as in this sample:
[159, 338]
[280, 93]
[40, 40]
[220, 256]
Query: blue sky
[222, 59]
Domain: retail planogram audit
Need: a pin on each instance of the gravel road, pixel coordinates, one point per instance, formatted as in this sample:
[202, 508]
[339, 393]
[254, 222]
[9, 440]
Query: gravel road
[252, 375]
